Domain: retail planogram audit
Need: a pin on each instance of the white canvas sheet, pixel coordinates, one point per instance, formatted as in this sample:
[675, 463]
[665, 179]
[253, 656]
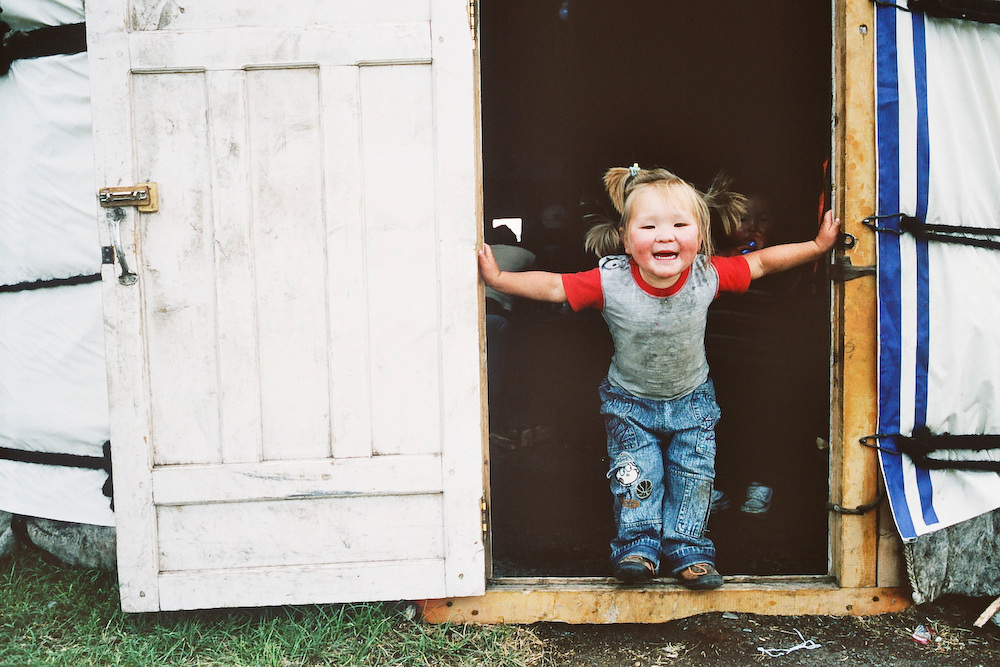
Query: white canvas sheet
[30, 14]
[53, 388]
[938, 128]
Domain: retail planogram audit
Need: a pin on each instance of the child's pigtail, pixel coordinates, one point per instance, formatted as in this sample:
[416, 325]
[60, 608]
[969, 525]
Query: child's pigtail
[731, 207]
[615, 180]
[605, 237]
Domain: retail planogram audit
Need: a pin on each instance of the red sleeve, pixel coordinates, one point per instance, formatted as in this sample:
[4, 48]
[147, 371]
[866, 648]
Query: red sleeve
[734, 273]
[583, 290]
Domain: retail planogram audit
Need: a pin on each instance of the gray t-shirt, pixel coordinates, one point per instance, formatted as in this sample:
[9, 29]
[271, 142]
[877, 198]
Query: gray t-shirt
[659, 340]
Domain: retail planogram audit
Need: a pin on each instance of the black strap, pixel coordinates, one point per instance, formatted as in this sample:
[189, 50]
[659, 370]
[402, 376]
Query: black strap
[48, 41]
[67, 461]
[924, 442]
[887, 3]
[971, 236]
[54, 282]
[921, 444]
[56, 459]
[983, 11]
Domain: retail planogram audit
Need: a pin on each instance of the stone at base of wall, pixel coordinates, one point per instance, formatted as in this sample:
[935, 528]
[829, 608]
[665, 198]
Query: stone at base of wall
[76, 544]
[6, 534]
[963, 559]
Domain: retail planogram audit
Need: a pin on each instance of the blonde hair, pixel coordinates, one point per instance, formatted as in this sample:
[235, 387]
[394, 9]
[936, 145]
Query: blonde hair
[605, 238]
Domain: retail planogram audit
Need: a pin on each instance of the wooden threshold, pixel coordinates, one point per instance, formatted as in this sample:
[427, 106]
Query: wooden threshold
[601, 600]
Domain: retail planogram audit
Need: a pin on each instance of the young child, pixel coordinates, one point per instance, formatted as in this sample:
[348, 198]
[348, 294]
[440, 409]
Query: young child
[657, 400]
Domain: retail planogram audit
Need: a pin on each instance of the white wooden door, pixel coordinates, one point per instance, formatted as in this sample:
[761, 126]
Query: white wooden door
[294, 376]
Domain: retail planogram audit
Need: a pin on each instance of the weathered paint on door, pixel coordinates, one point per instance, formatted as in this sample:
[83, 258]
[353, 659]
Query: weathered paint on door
[295, 376]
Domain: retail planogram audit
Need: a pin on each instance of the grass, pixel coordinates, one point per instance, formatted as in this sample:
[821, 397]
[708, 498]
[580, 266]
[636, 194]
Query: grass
[52, 614]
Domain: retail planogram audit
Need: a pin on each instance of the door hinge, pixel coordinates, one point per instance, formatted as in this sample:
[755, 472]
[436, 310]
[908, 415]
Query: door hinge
[485, 516]
[143, 196]
[473, 20]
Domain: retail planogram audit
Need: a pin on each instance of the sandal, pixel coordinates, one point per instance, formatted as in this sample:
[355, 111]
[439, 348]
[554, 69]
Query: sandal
[634, 570]
[700, 577]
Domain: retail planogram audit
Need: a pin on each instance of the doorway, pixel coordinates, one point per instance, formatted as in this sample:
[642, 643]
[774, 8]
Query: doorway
[570, 88]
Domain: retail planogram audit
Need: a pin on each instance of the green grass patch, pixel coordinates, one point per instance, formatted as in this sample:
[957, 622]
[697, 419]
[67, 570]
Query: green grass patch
[52, 614]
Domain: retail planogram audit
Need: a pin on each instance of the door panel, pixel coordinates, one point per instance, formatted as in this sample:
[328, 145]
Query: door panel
[295, 375]
[289, 533]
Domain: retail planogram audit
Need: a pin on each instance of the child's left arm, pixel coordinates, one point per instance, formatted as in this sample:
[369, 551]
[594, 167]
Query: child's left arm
[787, 255]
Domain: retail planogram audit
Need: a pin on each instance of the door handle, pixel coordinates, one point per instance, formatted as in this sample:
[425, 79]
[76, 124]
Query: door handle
[144, 197]
[115, 216]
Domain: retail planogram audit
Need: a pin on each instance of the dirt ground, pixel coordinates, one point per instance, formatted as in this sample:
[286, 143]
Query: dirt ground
[729, 640]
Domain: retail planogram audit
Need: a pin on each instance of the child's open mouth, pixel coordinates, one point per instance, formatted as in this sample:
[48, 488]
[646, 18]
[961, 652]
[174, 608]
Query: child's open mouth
[664, 254]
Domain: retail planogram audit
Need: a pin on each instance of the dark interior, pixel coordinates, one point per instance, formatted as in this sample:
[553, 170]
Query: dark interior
[701, 88]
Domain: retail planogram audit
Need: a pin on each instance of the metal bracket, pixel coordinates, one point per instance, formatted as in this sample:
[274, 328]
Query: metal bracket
[144, 196]
[107, 254]
[860, 510]
[843, 270]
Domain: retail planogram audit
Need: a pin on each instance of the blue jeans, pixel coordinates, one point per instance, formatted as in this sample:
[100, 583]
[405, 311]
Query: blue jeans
[662, 468]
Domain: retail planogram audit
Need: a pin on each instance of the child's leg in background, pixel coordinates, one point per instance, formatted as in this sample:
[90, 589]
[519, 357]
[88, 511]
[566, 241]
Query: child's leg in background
[689, 460]
[636, 474]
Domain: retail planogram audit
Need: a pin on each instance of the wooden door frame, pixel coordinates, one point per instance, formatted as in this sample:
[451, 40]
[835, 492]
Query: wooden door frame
[865, 575]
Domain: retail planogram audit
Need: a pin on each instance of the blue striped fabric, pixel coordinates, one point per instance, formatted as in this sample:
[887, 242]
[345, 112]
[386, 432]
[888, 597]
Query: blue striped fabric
[913, 56]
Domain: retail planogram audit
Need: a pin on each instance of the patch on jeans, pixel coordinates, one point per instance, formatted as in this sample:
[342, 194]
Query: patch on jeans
[627, 474]
[629, 503]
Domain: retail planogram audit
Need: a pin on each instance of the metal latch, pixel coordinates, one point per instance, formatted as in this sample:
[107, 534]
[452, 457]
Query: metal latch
[843, 270]
[142, 195]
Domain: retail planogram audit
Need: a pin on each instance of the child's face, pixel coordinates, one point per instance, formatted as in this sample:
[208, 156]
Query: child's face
[661, 236]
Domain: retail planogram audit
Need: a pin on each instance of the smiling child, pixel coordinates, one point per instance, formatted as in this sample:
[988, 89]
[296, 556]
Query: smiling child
[657, 400]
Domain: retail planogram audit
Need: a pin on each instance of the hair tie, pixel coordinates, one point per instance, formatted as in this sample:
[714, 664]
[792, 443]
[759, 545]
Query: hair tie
[632, 171]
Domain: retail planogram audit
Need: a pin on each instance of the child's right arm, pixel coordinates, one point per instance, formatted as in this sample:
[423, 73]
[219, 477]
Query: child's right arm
[537, 285]
[787, 255]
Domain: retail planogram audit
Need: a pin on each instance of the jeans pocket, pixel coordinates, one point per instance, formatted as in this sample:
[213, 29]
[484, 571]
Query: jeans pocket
[704, 406]
[706, 413]
[692, 517]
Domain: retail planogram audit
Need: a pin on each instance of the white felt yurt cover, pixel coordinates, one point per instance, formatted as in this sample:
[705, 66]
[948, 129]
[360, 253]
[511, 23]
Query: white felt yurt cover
[53, 391]
[938, 129]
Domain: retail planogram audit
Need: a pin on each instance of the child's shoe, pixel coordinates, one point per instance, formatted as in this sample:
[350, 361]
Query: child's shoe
[700, 577]
[758, 499]
[634, 570]
[720, 501]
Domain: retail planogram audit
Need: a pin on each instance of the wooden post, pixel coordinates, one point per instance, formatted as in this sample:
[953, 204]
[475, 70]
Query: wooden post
[854, 472]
